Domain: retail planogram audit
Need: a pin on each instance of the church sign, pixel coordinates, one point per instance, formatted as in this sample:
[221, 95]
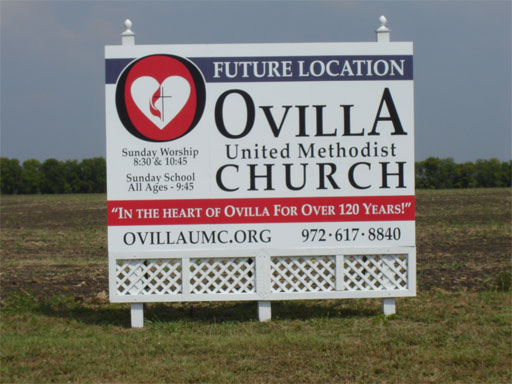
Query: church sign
[275, 168]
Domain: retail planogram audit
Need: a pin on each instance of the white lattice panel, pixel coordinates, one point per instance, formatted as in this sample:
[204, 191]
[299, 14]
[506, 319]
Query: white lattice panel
[264, 277]
[222, 275]
[303, 274]
[148, 277]
[375, 272]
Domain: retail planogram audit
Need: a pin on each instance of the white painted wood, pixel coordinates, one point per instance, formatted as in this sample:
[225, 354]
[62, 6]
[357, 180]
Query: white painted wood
[128, 36]
[303, 273]
[264, 311]
[255, 297]
[137, 315]
[172, 254]
[137, 309]
[112, 278]
[133, 272]
[383, 32]
[339, 278]
[411, 272]
[185, 275]
[263, 275]
[146, 277]
[375, 272]
[388, 306]
[222, 275]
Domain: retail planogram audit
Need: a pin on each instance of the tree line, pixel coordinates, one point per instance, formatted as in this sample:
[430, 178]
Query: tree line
[53, 176]
[435, 173]
[89, 175]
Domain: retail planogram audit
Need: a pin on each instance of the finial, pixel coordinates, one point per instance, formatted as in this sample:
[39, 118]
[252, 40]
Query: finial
[128, 25]
[383, 31]
[128, 36]
[382, 21]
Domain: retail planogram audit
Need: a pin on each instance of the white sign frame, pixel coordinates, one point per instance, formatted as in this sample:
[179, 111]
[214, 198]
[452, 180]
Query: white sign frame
[138, 275]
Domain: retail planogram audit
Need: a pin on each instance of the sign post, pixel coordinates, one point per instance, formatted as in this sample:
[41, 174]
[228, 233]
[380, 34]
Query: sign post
[260, 172]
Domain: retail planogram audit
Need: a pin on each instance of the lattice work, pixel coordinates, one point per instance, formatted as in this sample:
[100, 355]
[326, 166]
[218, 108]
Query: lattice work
[375, 272]
[222, 275]
[303, 274]
[148, 277]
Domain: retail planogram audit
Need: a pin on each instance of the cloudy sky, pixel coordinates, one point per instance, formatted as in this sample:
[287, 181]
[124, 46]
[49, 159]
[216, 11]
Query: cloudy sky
[52, 63]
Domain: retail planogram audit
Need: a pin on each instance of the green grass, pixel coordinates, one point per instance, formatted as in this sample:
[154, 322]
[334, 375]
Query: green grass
[56, 325]
[436, 337]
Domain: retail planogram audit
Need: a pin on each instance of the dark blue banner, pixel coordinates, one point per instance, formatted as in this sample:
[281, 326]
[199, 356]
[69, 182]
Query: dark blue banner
[291, 68]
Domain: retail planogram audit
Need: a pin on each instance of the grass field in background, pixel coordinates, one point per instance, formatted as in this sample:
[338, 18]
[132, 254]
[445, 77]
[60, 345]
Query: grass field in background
[57, 324]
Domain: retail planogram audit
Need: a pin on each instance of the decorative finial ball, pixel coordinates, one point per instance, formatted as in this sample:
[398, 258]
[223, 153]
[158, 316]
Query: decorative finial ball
[383, 20]
[128, 24]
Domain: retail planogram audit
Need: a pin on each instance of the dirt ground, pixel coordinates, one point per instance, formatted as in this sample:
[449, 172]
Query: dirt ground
[463, 237]
[58, 245]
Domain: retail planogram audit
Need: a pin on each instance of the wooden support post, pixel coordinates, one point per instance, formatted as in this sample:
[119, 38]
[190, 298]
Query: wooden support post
[137, 309]
[388, 306]
[137, 313]
[263, 286]
[264, 310]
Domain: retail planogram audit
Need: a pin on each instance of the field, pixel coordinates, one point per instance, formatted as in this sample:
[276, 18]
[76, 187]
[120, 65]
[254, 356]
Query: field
[57, 324]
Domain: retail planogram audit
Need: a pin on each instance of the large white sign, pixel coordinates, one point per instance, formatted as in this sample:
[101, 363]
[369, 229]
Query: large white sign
[275, 146]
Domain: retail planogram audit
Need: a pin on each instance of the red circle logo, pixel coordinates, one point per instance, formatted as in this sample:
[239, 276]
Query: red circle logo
[160, 97]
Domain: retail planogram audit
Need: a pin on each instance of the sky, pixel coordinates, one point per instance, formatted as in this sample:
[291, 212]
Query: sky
[52, 72]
